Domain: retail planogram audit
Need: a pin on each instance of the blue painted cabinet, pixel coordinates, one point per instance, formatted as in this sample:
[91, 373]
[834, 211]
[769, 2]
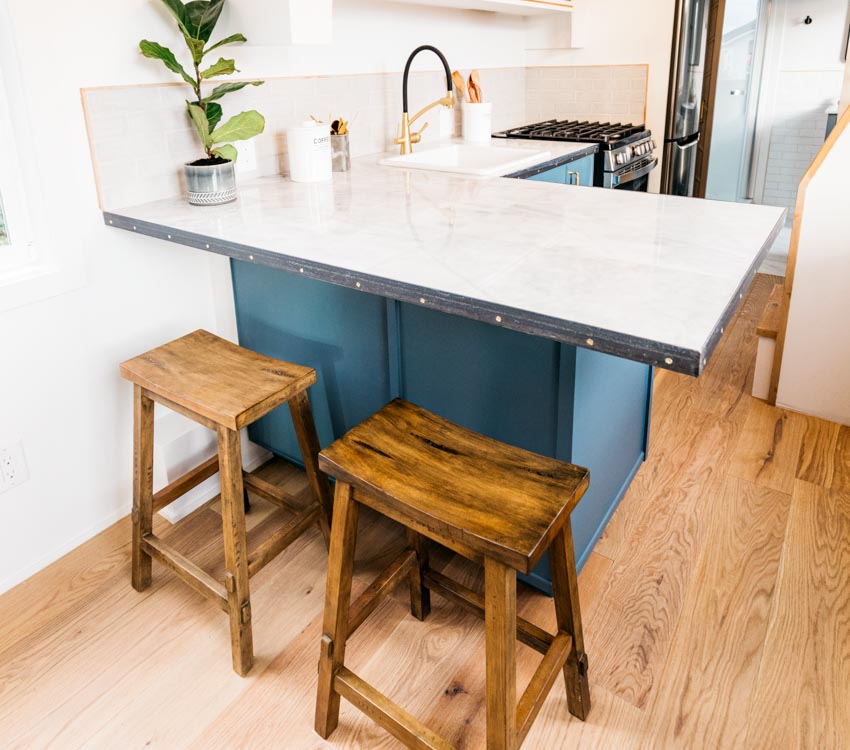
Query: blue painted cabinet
[576, 172]
[574, 404]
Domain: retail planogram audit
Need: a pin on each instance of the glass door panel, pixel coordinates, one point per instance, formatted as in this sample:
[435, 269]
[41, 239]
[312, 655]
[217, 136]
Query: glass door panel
[735, 102]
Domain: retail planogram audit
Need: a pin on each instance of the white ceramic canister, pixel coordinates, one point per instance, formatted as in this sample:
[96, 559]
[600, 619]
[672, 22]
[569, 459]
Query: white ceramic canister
[477, 122]
[309, 149]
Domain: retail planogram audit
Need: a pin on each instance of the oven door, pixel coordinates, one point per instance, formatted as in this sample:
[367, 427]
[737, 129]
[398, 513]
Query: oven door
[631, 177]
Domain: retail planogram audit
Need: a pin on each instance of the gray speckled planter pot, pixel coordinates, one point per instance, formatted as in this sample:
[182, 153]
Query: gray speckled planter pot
[211, 185]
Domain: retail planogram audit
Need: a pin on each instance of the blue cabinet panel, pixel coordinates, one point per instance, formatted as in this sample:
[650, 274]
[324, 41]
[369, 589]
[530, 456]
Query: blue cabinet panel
[584, 169]
[558, 174]
[339, 332]
[609, 430]
[576, 172]
[497, 382]
[574, 404]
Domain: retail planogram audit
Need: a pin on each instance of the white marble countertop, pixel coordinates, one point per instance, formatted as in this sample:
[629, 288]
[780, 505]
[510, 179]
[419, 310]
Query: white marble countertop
[649, 277]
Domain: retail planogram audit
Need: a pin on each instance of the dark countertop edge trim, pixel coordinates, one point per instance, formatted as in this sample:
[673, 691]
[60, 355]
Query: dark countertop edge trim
[739, 294]
[545, 166]
[646, 351]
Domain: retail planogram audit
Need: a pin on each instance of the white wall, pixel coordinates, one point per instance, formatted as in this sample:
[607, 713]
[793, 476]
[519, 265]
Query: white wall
[803, 77]
[59, 387]
[624, 32]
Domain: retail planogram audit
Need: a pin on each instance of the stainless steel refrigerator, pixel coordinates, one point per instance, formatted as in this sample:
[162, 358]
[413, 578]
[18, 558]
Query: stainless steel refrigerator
[687, 66]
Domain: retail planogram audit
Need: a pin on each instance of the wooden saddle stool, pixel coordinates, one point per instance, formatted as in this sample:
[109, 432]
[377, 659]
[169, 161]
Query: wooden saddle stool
[225, 388]
[487, 501]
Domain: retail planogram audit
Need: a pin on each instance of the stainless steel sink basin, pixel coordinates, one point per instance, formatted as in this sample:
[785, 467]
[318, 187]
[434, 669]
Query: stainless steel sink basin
[468, 159]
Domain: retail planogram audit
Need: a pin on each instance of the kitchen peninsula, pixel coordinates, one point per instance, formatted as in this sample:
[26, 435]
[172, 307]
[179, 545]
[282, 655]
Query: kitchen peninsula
[531, 312]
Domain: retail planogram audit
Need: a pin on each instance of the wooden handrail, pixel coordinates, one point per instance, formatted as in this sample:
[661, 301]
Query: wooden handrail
[816, 164]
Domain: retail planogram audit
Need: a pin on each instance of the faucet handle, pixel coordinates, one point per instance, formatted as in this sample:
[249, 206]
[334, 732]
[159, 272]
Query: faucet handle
[417, 136]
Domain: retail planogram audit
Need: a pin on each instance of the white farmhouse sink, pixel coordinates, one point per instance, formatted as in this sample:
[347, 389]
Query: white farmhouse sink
[478, 161]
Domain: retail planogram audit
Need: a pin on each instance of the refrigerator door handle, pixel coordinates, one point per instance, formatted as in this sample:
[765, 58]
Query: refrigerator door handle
[686, 143]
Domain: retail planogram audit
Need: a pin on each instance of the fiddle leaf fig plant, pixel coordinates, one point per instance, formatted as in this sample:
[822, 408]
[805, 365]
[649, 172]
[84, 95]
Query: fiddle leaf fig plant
[196, 21]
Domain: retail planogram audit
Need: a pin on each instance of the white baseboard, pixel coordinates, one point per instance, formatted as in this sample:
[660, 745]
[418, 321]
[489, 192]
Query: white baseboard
[21, 575]
[253, 456]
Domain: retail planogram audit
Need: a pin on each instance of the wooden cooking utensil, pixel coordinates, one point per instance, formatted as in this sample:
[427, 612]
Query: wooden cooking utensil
[457, 80]
[473, 95]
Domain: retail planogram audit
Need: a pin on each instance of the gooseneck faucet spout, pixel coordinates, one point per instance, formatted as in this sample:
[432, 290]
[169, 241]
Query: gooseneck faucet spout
[406, 138]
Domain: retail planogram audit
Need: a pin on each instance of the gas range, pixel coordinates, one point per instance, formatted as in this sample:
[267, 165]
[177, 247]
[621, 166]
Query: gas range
[626, 152]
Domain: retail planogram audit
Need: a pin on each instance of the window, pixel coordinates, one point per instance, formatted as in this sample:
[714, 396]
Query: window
[16, 243]
[30, 268]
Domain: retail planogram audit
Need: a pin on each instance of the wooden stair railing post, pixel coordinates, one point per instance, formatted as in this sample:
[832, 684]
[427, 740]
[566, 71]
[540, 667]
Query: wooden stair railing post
[235, 550]
[143, 412]
[337, 605]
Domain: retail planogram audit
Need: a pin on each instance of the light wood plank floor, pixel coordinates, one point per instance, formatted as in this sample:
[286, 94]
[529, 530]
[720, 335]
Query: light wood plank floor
[717, 610]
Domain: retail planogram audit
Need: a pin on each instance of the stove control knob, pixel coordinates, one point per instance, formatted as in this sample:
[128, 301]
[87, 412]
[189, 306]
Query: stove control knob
[620, 158]
[639, 149]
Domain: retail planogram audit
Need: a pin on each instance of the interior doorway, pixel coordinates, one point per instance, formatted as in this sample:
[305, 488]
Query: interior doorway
[774, 72]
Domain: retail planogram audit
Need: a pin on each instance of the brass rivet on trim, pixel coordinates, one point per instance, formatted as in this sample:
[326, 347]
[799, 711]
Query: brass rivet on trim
[422, 300]
[498, 318]
[300, 270]
[110, 221]
[134, 229]
[357, 284]
[590, 342]
[169, 236]
[668, 361]
[208, 247]
[250, 257]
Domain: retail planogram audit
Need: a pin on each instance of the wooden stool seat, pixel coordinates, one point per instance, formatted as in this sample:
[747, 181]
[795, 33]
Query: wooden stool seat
[225, 388]
[464, 490]
[218, 382]
[486, 500]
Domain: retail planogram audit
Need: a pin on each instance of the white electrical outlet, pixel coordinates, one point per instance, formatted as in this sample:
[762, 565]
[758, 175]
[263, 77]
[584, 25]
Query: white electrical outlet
[247, 160]
[13, 466]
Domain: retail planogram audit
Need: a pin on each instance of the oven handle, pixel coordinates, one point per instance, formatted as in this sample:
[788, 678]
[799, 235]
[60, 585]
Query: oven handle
[637, 173]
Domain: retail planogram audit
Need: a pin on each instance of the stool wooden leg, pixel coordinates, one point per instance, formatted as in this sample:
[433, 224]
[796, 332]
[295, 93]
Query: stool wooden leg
[420, 596]
[337, 604]
[308, 442]
[235, 550]
[500, 623]
[143, 409]
[568, 612]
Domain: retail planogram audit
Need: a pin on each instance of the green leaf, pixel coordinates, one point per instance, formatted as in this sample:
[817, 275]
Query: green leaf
[196, 21]
[221, 68]
[178, 10]
[158, 52]
[227, 88]
[213, 115]
[203, 16]
[226, 152]
[240, 127]
[196, 47]
[199, 117]
[229, 40]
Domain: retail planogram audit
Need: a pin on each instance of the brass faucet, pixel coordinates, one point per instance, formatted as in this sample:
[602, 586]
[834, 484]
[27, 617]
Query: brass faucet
[405, 137]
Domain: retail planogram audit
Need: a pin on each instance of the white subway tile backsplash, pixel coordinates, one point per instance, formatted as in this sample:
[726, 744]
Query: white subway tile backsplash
[119, 119]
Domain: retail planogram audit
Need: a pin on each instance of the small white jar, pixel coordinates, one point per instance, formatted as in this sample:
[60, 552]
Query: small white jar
[477, 122]
[309, 148]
